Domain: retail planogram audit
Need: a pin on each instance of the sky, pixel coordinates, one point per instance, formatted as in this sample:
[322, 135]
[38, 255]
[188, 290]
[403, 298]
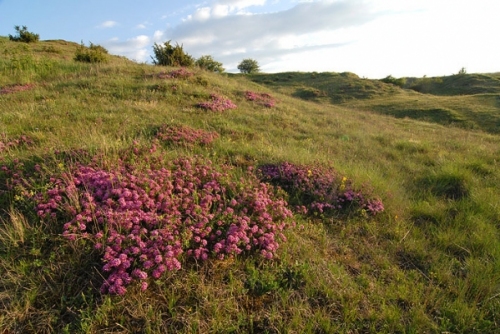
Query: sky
[371, 38]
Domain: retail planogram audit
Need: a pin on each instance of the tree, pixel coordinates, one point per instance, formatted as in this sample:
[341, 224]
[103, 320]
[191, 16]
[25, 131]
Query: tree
[169, 55]
[209, 64]
[23, 35]
[249, 66]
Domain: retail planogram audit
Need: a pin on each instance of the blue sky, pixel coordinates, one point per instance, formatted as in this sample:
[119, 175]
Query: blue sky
[372, 38]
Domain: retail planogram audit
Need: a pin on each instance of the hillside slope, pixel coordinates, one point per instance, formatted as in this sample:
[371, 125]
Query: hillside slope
[71, 132]
[469, 101]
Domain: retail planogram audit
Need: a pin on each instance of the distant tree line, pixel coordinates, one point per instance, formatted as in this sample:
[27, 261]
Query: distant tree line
[167, 54]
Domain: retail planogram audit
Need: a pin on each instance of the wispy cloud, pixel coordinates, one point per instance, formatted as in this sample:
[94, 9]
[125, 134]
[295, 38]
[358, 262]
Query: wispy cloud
[228, 29]
[108, 24]
[136, 48]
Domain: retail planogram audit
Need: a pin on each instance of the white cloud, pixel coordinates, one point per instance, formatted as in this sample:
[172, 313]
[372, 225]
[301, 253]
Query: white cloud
[219, 30]
[373, 38]
[140, 26]
[201, 14]
[108, 24]
[219, 11]
[158, 36]
[240, 4]
[136, 48]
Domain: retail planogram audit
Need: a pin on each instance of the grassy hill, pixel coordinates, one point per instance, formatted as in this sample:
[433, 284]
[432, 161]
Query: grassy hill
[97, 158]
[469, 101]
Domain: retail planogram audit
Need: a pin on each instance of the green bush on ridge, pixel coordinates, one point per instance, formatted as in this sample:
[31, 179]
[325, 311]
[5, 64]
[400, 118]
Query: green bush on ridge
[169, 55]
[209, 64]
[23, 35]
[93, 54]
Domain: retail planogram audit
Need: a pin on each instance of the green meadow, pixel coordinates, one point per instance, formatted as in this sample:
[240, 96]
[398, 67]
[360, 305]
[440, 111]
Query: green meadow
[428, 148]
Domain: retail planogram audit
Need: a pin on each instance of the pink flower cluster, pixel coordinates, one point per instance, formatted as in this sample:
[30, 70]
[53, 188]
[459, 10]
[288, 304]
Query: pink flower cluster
[184, 135]
[15, 178]
[21, 141]
[262, 98]
[217, 103]
[181, 73]
[314, 189]
[146, 221]
[15, 88]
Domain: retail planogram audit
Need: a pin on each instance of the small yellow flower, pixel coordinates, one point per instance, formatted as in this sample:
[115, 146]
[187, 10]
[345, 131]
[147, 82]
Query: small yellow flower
[342, 185]
[309, 173]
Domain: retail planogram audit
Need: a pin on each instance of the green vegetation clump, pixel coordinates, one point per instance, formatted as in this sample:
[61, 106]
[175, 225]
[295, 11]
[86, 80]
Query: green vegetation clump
[209, 64]
[23, 35]
[169, 55]
[394, 81]
[92, 54]
[249, 66]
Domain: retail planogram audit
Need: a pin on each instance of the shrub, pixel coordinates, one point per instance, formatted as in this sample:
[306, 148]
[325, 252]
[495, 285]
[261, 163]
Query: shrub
[169, 55]
[217, 103]
[249, 66]
[92, 54]
[209, 64]
[145, 221]
[317, 190]
[392, 80]
[23, 35]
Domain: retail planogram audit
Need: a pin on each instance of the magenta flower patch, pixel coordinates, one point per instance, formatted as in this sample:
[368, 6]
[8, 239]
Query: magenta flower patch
[261, 98]
[9, 143]
[317, 190]
[15, 88]
[181, 73]
[217, 103]
[146, 222]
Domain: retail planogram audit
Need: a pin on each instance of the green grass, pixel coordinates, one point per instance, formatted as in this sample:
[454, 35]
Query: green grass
[469, 101]
[429, 263]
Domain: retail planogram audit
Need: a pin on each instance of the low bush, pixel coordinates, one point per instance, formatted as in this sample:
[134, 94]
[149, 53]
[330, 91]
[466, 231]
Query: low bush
[264, 99]
[169, 55]
[92, 54]
[392, 80]
[23, 35]
[217, 103]
[318, 190]
[209, 64]
[147, 221]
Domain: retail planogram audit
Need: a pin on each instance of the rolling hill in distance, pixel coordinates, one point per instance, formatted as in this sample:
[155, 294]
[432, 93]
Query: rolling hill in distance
[148, 199]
